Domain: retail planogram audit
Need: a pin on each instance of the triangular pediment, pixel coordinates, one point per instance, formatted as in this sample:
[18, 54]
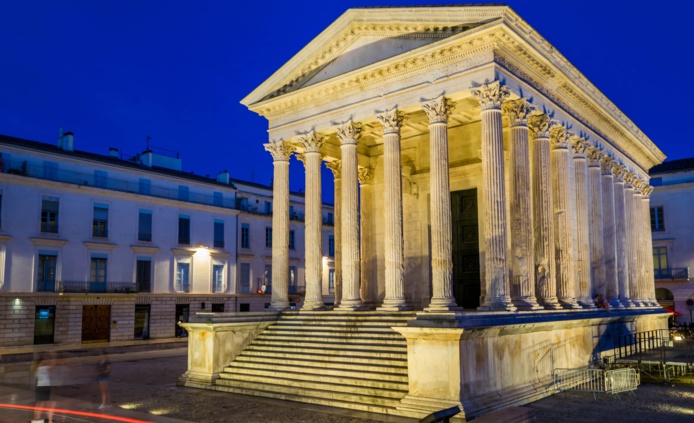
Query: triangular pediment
[363, 37]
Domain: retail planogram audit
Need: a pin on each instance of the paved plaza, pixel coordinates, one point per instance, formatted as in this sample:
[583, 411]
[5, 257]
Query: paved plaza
[143, 389]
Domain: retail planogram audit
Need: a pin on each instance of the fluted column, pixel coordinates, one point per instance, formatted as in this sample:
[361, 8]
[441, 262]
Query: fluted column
[610, 233]
[583, 282]
[440, 205]
[522, 273]
[313, 221]
[392, 207]
[648, 279]
[597, 239]
[351, 260]
[563, 222]
[638, 260]
[369, 275]
[620, 215]
[336, 167]
[632, 237]
[497, 295]
[543, 213]
[281, 151]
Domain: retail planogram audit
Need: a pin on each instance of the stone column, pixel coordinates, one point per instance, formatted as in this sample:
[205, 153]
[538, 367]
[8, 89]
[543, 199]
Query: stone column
[543, 209]
[597, 243]
[632, 237]
[620, 216]
[281, 151]
[563, 222]
[638, 259]
[440, 207]
[497, 296]
[392, 207]
[351, 261]
[610, 233]
[369, 274]
[522, 273]
[336, 167]
[648, 278]
[313, 221]
[583, 285]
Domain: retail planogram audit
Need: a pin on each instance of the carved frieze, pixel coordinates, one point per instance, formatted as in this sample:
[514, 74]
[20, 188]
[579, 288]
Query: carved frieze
[349, 132]
[491, 95]
[391, 121]
[311, 141]
[280, 150]
[539, 124]
[517, 111]
[437, 110]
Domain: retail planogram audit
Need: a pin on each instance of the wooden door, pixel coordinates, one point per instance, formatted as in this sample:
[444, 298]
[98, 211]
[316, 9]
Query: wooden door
[96, 323]
[466, 250]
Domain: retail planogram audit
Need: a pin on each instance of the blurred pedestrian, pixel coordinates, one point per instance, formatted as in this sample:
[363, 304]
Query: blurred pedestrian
[103, 369]
[41, 369]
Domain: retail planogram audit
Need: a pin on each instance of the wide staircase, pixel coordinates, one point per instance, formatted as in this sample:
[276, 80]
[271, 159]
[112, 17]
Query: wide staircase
[341, 359]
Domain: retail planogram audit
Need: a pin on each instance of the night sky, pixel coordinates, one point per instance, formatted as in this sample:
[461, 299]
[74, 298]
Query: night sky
[116, 72]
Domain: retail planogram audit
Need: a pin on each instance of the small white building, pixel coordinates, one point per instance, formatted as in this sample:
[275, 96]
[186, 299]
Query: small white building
[672, 227]
[106, 248]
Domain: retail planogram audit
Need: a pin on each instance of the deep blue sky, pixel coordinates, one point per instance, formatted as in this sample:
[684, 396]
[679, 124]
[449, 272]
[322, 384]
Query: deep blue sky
[114, 72]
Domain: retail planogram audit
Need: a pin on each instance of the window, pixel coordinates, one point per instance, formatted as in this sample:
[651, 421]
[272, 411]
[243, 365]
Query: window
[245, 278]
[184, 229]
[183, 193]
[44, 324]
[331, 281]
[143, 274]
[218, 278]
[182, 277]
[49, 214]
[97, 273]
[100, 222]
[268, 237]
[657, 219]
[331, 245]
[268, 207]
[245, 236]
[293, 288]
[0, 207]
[330, 219]
[218, 233]
[268, 278]
[292, 246]
[144, 225]
[660, 264]
[145, 186]
[100, 178]
[218, 308]
[50, 170]
[45, 280]
[217, 199]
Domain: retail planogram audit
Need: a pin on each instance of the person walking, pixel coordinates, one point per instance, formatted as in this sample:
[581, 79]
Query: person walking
[103, 369]
[41, 369]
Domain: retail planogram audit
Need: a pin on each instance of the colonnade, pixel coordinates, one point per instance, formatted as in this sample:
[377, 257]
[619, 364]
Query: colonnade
[579, 217]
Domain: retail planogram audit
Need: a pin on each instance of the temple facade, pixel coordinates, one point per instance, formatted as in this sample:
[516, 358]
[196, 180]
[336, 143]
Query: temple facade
[474, 167]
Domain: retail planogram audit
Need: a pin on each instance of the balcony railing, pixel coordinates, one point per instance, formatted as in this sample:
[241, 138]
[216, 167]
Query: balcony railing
[674, 273]
[89, 287]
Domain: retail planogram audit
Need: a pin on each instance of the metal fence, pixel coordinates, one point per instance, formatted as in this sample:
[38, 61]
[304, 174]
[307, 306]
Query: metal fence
[672, 273]
[597, 380]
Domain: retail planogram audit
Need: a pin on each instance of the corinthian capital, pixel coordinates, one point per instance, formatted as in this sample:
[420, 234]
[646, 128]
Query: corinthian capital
[491, 95]
[349, 132]
[594, 155]
[579, 145]
[301, 157]
[646, 190]
[517, 111]
[391, 121]
[336, 167]
[618, 171]
[607, 163]
[539, 124]
[365, 175]
[558, 137]
[629, 178]
[281, 150]
[311, 141]
[437, 110]
[637, 183]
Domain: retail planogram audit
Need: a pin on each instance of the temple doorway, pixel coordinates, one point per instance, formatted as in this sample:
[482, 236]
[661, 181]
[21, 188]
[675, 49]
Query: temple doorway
[466, 250]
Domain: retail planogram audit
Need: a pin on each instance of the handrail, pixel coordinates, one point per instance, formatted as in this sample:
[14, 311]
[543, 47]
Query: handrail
[672, 273]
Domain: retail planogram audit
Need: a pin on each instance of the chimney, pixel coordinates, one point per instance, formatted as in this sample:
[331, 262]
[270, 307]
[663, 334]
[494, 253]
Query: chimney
[67, 141]
[223, 177]
[113, 152]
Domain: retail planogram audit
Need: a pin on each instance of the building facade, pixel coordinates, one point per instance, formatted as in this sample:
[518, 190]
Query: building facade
[673, 235]
[103, 248]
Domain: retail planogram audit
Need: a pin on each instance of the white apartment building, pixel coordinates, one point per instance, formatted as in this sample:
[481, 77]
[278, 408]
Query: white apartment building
[106, 248]
[672, 228]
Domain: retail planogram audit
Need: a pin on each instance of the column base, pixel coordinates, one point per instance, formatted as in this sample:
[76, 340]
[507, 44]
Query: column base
[279, 305]
[616, 304]
[569, 303]
[638, 303]
[442, 304]
[587, 303]
[351, 305]
[497, 304]
[526, 304]
[394, 305]
[627, 303]
[313, 305]
[550, 303]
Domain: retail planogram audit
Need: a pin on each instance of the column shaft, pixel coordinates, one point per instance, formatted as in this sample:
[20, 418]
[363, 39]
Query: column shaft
[621, 219]
[637, 270]
[583, 285]
[369, 274]
[336, 167]
[610, 234]
[648, 279]
[597, 249]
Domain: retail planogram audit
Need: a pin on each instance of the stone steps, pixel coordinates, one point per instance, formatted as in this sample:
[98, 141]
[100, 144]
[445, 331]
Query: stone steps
[342, 359]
